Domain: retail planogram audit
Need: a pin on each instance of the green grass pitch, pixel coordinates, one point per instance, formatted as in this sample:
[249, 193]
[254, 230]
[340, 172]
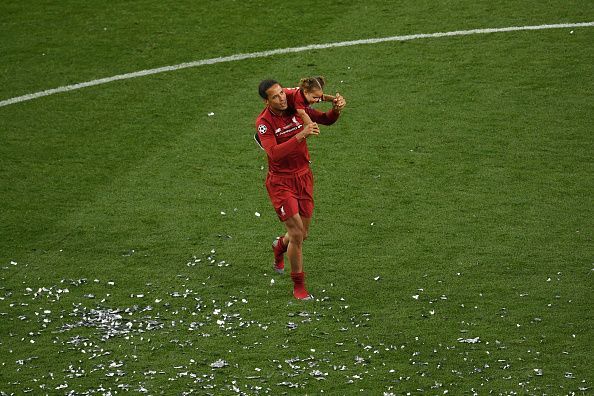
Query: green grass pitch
[451, 249]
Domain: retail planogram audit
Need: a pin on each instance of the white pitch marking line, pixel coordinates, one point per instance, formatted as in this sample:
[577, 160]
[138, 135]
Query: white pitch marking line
[263, 54]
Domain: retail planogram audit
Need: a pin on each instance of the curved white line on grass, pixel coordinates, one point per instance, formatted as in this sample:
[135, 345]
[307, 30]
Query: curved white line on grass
[263, 54]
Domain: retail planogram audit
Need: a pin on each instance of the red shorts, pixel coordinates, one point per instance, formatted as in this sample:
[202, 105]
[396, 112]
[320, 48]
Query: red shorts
[291, 194]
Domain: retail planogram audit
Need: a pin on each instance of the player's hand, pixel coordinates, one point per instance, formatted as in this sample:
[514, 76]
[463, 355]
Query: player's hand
[338, 103]
[310, 129]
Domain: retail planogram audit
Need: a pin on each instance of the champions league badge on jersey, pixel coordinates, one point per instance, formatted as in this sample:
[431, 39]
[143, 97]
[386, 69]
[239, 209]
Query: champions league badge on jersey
[262, 129]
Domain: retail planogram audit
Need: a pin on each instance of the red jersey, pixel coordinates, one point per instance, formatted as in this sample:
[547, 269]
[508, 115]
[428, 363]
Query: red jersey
[298, 100]
[277, 135]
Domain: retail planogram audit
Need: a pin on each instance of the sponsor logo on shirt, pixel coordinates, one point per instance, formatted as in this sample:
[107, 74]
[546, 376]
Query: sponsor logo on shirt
[288, 128]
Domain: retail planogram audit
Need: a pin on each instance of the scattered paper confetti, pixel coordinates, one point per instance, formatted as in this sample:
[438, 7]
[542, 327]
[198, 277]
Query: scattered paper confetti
[219, 364]
[469, 340]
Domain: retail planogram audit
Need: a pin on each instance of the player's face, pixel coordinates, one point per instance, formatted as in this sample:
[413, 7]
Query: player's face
[314, 96]
[277, 99]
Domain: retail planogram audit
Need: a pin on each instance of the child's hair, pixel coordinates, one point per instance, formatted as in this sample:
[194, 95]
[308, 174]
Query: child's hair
[310, 83]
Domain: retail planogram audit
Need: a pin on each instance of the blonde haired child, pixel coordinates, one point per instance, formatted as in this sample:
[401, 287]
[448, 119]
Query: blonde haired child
[311, 90]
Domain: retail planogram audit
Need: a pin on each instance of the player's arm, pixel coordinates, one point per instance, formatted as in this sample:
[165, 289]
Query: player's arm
[329, 117]
[328, 98]
[279, 151]
[303, 114]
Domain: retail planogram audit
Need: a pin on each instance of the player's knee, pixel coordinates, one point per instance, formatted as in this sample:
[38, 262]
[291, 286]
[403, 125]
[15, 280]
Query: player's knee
[296, 236]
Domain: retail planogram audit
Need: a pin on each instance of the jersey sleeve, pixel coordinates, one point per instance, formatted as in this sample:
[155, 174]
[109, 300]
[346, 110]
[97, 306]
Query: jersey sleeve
[268, 141]
[295, 99]
[327, 118]
[300, 102]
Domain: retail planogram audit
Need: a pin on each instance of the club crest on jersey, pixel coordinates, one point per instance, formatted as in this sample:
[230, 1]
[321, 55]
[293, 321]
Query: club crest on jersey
[262, 129]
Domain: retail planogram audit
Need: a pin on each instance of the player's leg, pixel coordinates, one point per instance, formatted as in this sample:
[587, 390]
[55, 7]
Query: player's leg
[306, 207]
[279, 248]
[306, 222]
[306, 201]
[296, 231]
[294, 226]
[280, 245]
[285, 205]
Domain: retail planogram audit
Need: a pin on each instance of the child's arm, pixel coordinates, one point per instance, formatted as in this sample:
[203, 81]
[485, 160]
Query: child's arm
[328, 98]
[304, 116]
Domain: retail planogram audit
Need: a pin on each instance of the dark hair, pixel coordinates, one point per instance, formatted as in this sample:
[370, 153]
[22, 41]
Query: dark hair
[264, 86]
[310, 83]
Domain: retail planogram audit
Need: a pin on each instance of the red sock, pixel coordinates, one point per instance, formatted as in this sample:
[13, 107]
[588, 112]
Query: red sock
[299, 291]
[279, 250]
[281, 244]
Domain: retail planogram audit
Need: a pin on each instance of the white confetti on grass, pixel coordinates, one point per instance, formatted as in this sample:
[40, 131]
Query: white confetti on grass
[474, 340]
[130, 325]
[111, 322]
[319, 375]
[220, 363]
[302, 372]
